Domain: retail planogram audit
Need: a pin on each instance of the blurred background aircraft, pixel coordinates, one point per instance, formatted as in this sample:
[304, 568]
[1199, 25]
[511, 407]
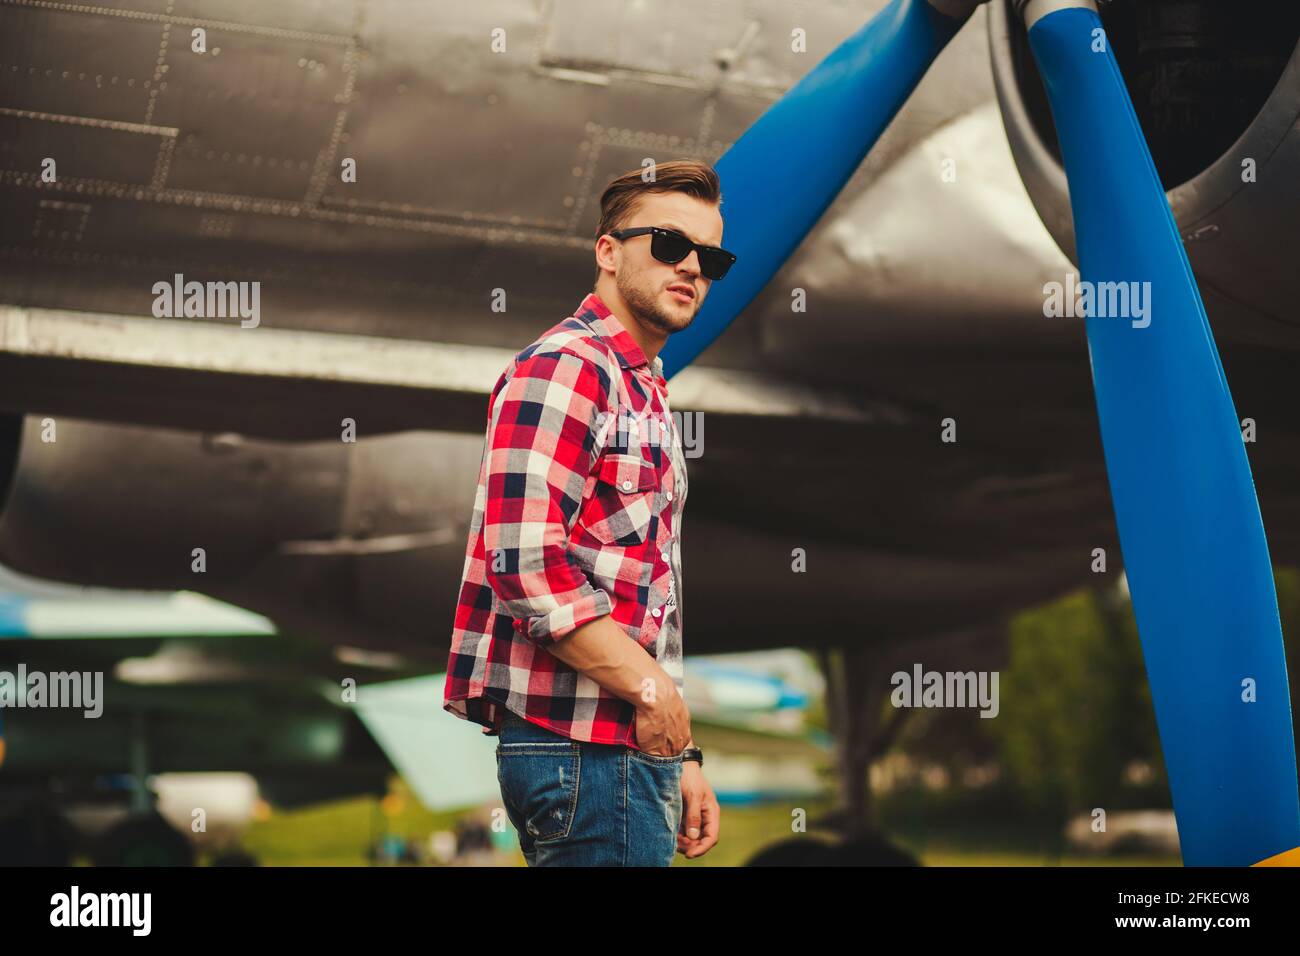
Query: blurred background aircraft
[208, 138]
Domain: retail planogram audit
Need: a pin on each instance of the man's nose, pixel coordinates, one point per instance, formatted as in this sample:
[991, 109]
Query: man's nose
[690, 264]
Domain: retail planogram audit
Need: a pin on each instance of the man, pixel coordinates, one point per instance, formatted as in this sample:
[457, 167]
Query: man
[568, 635]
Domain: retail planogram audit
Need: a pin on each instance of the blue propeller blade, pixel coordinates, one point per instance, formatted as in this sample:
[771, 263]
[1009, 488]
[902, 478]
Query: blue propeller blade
[780, 176]
[1189, 522]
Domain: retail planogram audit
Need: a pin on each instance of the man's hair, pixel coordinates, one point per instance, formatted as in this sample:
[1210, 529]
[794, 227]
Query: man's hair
[621, 197]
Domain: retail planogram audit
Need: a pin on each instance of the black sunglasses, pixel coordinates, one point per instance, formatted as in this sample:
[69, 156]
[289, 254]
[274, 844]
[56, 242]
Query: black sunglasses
[672, 247]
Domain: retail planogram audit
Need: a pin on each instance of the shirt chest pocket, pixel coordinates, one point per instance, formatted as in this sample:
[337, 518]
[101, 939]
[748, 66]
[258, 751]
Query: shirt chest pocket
[622, 501]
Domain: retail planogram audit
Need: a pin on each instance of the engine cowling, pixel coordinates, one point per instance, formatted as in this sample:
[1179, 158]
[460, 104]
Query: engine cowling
[1216, 88]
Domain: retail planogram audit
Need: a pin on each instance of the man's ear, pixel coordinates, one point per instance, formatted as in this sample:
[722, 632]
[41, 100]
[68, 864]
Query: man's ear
[608, 244]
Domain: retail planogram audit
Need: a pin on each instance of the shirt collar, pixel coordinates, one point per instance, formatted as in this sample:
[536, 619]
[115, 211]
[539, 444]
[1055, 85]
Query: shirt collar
[608, 327]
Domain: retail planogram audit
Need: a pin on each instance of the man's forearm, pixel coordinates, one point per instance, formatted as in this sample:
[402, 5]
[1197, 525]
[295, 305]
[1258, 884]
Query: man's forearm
[601, 650]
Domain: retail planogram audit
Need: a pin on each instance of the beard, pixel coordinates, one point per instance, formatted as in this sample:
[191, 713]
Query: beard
[645, 306]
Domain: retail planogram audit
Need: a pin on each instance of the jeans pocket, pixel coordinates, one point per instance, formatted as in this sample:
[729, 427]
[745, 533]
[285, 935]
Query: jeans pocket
[655, 799]
[654, 758]
[540, 783]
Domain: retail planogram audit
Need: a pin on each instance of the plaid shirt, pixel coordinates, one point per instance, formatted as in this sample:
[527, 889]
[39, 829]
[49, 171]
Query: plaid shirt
[577, 515]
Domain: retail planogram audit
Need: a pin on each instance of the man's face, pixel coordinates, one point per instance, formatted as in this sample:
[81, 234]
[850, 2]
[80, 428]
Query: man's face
[661, 295]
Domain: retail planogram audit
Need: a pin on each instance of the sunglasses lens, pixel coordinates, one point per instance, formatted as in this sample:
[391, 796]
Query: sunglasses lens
[673, 247]
[714, 263]
[669, 247]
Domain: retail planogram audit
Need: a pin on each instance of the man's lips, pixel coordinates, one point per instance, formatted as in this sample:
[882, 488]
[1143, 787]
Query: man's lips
[682, 291]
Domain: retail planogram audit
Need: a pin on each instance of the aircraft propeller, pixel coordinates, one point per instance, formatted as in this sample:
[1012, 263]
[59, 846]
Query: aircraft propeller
[1198, 567]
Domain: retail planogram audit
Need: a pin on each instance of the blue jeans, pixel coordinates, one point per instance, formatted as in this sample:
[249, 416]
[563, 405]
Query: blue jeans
[583, 804]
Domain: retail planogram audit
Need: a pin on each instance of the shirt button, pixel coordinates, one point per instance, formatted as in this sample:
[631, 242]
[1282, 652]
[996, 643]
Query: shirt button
[627, 486]
[655, 612]
[670, 496]
[663, 427]
[664, 555]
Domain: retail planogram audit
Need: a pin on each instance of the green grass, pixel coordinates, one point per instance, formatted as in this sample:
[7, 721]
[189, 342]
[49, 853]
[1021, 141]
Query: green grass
[992, 858]
[339, 833]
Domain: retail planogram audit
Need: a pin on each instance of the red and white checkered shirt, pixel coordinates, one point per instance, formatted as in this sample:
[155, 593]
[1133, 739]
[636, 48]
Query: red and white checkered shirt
[577, 515]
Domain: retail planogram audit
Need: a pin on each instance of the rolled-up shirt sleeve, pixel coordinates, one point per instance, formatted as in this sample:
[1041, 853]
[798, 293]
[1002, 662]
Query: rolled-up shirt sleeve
[541, 447]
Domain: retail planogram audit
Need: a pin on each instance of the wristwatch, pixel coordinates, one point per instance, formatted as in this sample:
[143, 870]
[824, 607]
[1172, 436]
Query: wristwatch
[693, 753]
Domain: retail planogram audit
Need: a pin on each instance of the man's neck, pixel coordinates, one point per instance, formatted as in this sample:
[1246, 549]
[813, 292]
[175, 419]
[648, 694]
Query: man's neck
[651, 340]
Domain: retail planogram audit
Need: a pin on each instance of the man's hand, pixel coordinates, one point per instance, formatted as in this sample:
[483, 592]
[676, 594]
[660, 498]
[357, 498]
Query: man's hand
[663, 724]
[601, 650]
[700, 813]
